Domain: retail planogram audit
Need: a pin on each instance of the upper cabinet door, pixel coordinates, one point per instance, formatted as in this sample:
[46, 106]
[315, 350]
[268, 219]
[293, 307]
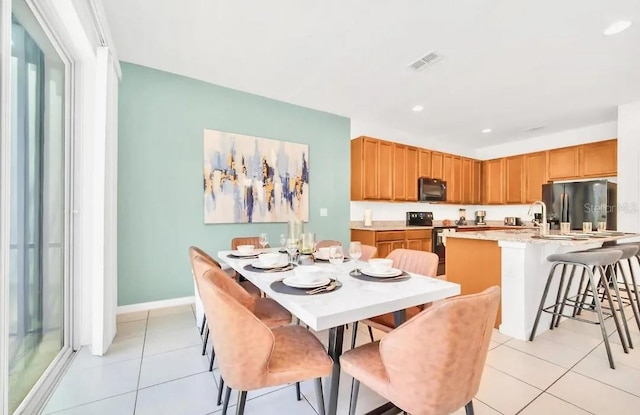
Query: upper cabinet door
[477, 182]
[370, 167]
[385, 171]
[467, 181]
[599, 159]
[456, 171]
[424, 163]
[399, 172]
[535, 174]
[493, 175]
[563, 163]
[437, 165]
[514, 179]
[412, 173]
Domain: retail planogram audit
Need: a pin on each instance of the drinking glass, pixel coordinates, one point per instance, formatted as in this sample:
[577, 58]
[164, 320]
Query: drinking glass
[602, 226]
[264, 240]
[587, 227]
[355, 252]
[565, 227]
[336, 257]
[292, 249]
[283, 240]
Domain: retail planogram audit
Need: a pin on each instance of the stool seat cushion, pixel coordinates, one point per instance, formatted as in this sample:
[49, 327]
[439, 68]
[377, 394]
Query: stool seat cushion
[598, 258]
[627, 250]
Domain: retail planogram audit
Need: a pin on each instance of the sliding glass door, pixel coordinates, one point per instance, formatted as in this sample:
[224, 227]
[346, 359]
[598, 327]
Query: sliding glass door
[39, 247]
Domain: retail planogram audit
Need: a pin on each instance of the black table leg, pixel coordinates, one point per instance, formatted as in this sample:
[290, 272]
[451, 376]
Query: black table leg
[399, 317]
[336, 336]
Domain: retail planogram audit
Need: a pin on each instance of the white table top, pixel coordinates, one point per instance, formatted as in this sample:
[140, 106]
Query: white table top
[355, 300]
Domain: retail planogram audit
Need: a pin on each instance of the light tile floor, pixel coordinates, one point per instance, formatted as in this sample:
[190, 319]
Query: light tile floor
[155, 367]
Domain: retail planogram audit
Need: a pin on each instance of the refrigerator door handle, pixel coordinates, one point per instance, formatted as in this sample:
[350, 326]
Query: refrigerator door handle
[566, 208]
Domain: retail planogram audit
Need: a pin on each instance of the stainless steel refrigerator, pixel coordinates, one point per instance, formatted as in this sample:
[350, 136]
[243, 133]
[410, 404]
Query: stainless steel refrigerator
[593, 201]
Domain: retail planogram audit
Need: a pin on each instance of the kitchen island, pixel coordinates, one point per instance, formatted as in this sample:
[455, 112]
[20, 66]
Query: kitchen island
[516, 260]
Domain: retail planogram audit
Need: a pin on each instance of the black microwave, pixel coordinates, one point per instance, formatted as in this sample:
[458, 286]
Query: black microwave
[432, 190]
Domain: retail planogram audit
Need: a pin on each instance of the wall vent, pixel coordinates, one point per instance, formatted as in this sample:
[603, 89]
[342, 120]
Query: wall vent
[428, 59]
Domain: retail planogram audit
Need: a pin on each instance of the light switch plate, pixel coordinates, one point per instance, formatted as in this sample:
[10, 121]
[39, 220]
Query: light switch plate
[323, 212]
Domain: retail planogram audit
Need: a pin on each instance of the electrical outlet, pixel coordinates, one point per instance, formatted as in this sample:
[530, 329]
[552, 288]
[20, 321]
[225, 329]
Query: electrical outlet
[323, 212]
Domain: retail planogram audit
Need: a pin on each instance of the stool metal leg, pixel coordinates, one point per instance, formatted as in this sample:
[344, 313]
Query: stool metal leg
[614, 315]
[614, 282]
[566, 295]
[601, 319]
[634, 283]
[542, 300]
[558, 296]
[625, 281]
[577, 307]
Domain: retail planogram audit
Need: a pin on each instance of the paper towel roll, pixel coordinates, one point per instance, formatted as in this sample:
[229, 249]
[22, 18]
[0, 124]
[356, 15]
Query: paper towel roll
[367, 217]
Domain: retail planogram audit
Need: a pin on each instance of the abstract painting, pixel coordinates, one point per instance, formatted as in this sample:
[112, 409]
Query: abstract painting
[250, 179]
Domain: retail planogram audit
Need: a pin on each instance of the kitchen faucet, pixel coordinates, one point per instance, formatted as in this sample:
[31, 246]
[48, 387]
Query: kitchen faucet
[543, 225]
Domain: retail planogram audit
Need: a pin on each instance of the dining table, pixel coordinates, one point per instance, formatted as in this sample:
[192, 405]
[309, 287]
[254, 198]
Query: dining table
[354, 300]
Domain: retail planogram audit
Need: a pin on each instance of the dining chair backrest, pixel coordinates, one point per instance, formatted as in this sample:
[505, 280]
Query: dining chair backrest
[243, 343]
[368, 252]
[444, 375]
[195, 252]
[418, 262]
[245, 240]
[221, 280]
[325, 243]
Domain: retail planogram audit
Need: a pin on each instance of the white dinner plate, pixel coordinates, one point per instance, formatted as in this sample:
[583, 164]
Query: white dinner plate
[298, 282]
[321, 257]
[393, 272]
[253, 253]
[557, 237]
[260, 265]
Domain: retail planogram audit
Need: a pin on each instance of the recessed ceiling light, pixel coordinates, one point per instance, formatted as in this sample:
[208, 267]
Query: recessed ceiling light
[617, 27]
[486, 131]
[417, 108]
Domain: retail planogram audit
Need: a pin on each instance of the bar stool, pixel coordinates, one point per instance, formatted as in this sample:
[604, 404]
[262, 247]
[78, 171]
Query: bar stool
[589, 261]
[616, 272]
[634, 282]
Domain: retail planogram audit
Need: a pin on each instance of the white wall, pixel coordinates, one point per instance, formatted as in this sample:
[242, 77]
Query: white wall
[629, 167]
[598, 132]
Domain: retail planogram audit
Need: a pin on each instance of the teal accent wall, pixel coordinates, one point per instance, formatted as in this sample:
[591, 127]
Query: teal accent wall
[160, 165]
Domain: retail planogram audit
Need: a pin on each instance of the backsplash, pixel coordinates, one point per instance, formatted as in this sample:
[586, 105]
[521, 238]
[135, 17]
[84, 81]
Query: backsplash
[386, 211]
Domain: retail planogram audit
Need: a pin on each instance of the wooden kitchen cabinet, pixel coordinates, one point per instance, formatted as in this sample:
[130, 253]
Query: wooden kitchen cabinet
[563, 163]
[477, 182]
[535, 175]
[437, 163]
[371, 174]
[467, 180]
[419, 240]
[493, 180]
[514, 179]
[599, 159]
[385, 170]
[411, 160]
[452, 174]
[387, 241]
[424, 163]
[399, 172]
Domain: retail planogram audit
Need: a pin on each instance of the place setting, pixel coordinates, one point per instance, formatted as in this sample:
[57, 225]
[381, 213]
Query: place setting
[245, 252]
[307, 280]
[379, 270]
[270, 262]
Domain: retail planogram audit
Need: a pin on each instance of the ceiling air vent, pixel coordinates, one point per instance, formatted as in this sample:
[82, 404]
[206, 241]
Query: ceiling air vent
[428, 59]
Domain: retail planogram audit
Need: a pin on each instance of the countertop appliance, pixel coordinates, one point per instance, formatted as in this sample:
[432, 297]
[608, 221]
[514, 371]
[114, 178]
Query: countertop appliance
[462, 221]
[576, 202]
[438, 247]
[480, 217]
[512, 221]
[432, 190]
[419, 218]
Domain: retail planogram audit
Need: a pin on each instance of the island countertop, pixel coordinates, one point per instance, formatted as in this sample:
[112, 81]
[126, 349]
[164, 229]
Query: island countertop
[531, 236]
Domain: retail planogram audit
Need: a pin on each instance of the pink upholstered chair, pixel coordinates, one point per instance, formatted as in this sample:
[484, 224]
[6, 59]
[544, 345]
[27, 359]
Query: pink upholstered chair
[368, 252]
[267, 310]
[447, 345]
[417, 262]
[247, 240]
[327, 243]
[247, 285]
[253, 356]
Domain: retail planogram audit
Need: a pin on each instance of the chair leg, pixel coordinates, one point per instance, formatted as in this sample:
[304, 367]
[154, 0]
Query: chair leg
[601, 319]
[319, 395]
[355, 388]
[213, 356]
[220, 389]
[542, 301]
[627, 287]
[371, 334]
[634, 284]
[242, 400]
[225, 405]
[468, 408]
[558, 296]
[616, 289]
[204, 323]
[298, 398]
[204, 344]
[354, 334]
[566, 295]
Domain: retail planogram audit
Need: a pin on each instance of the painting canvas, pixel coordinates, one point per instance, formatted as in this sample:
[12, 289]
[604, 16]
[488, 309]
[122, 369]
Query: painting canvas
[250, 179]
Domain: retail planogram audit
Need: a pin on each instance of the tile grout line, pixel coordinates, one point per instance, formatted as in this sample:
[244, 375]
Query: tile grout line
[135, 403]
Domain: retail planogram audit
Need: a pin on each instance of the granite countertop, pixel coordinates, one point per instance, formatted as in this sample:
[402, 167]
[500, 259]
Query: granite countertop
[531, 236]
[401, 226]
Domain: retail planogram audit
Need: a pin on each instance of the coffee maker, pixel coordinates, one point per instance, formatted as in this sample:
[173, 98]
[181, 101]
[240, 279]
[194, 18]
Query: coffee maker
[462, 221]
[480, 215]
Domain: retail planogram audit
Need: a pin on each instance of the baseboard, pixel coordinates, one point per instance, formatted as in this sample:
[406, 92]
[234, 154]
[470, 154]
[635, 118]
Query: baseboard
[152, 305]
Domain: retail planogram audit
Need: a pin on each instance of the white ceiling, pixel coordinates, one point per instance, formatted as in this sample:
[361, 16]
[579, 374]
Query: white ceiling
[508, 64]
